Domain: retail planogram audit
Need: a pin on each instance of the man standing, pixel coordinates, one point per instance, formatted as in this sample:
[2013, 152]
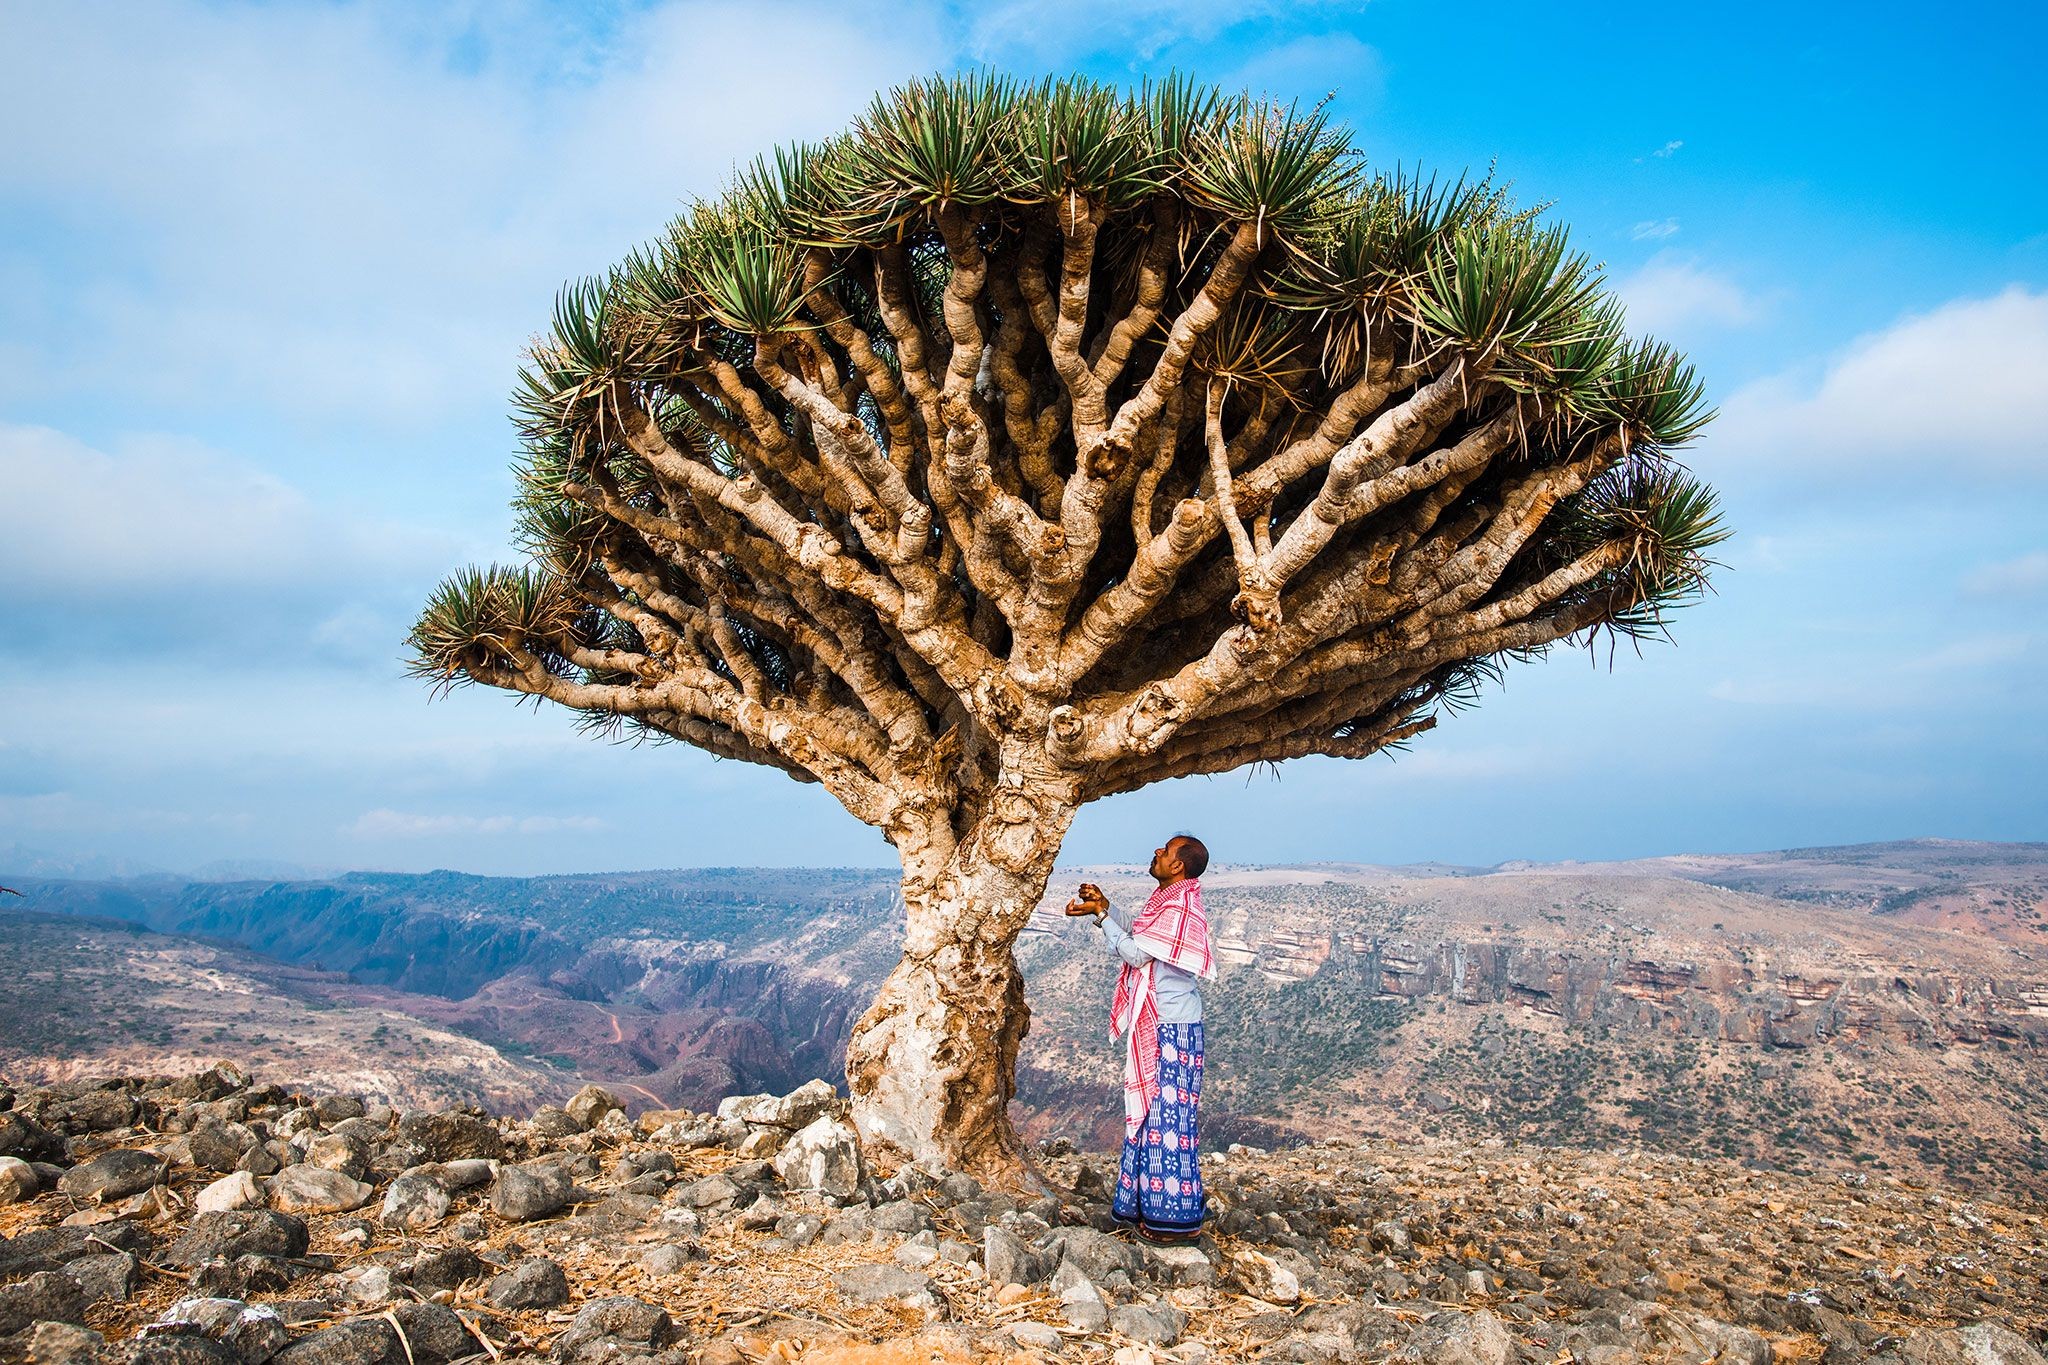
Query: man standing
[1165, 953]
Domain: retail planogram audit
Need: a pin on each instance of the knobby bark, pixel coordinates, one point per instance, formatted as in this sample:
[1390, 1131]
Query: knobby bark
[932, 1065]
[1000, 531]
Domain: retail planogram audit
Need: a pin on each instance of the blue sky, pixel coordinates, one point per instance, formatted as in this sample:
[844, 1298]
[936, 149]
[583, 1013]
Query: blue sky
[265, 272]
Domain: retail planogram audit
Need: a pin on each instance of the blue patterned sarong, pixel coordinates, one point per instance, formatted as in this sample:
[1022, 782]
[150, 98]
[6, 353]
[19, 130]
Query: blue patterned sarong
[1159, 1180]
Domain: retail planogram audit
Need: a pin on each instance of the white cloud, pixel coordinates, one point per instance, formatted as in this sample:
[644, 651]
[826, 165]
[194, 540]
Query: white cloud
[363, 209]
[2024, 576]
[1667, 151]
[391, 824]
[1654, 230]
[1311, 66]
[1955, 393]
[158, 516]
[1673, 294]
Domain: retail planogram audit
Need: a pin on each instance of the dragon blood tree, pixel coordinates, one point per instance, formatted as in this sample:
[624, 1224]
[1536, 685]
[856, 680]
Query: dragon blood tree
[1030, 443]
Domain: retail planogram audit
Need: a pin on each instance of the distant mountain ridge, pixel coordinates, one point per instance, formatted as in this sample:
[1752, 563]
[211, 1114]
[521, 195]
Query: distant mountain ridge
[1881, 1002]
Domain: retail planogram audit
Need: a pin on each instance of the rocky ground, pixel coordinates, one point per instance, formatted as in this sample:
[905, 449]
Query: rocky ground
[206, 1220]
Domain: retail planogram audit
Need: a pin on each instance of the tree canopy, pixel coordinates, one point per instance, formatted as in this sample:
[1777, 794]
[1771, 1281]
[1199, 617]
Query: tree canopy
[1158, 423]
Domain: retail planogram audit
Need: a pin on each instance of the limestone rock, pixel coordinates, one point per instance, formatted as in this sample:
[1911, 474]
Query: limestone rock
[237, 1191]
[798, 1109]
[590, 1104]
[244, 1232]
[46, 1296]
[532, 1190]
[602, 1324]
[1155, 1324]
[450, 1136]
[439, 1268]
[1079, 1298]
[113, 1175]
[359, 1341]
[63, 1343]
[1008, 1260]
[253, 1332]
[106, 1276]
[534, 1283]
[434, 1332]
[414, 1202]
[333, 1152]
[880, 1283]
[1459, 1339]
[1979, 1343]
[1265, 1278]
[824, 1156]
[18, 1180]
[315, 1189]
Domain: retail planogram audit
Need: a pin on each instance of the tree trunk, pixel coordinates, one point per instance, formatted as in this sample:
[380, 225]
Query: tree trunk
[932, 1065]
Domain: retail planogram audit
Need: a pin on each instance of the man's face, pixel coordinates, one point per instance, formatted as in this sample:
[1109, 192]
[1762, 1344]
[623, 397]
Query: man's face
[1165, 859]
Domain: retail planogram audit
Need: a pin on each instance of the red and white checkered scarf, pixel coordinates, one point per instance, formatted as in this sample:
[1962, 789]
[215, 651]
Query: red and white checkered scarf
[1174, 926]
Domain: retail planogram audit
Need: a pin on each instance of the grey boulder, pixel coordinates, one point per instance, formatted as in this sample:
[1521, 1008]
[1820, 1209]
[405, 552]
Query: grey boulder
[113, 1175]
[530, 1191]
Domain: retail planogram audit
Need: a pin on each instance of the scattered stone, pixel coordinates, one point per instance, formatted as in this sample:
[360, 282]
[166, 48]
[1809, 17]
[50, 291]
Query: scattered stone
[113, 1175]
[63, 1343]
[880, 1283]
[1155, 1324]
[451, 1136]
[415, 1201]
[532, 1190]
[823, 1156]
[602, 1324]
[1035, 1336]
[669, 1258]
[315, 1189]
[460, 1174]
[901, 1216]
[799, 1229]
[47, 1295]
[369, 1285]
[21, 1136]
[1097, 1254]
[218, 1147]
[1459, 1339]
[534, 1283]
[1180, 1266]
[1979, 1343]
[238, 1277]
[434, 1332]
[109, 1275]
[712, 1192]
[230, 1192]
[243, 1232]
[359, 1341]
[590, 1104]
[334, 1152]
[1695, 1337]
[1008, 1260]
[550, 1122]
[253, 1332]
[438, 1268]
[1080, 1299]
[798, 1109]
[763, 1142]
[1265, 1278]
[18, 1180]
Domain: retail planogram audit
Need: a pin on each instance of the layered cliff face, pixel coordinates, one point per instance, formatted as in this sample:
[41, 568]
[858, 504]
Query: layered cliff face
[1750, 1008]
[1594, 1005]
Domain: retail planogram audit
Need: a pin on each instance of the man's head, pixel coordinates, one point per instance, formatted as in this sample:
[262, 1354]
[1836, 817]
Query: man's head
[1181, 857]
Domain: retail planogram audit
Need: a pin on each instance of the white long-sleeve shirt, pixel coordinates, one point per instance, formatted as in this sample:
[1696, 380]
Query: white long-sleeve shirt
[1178, 991]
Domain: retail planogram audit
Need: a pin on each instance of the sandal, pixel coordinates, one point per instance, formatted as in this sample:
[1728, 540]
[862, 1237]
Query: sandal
[1160, 1237]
